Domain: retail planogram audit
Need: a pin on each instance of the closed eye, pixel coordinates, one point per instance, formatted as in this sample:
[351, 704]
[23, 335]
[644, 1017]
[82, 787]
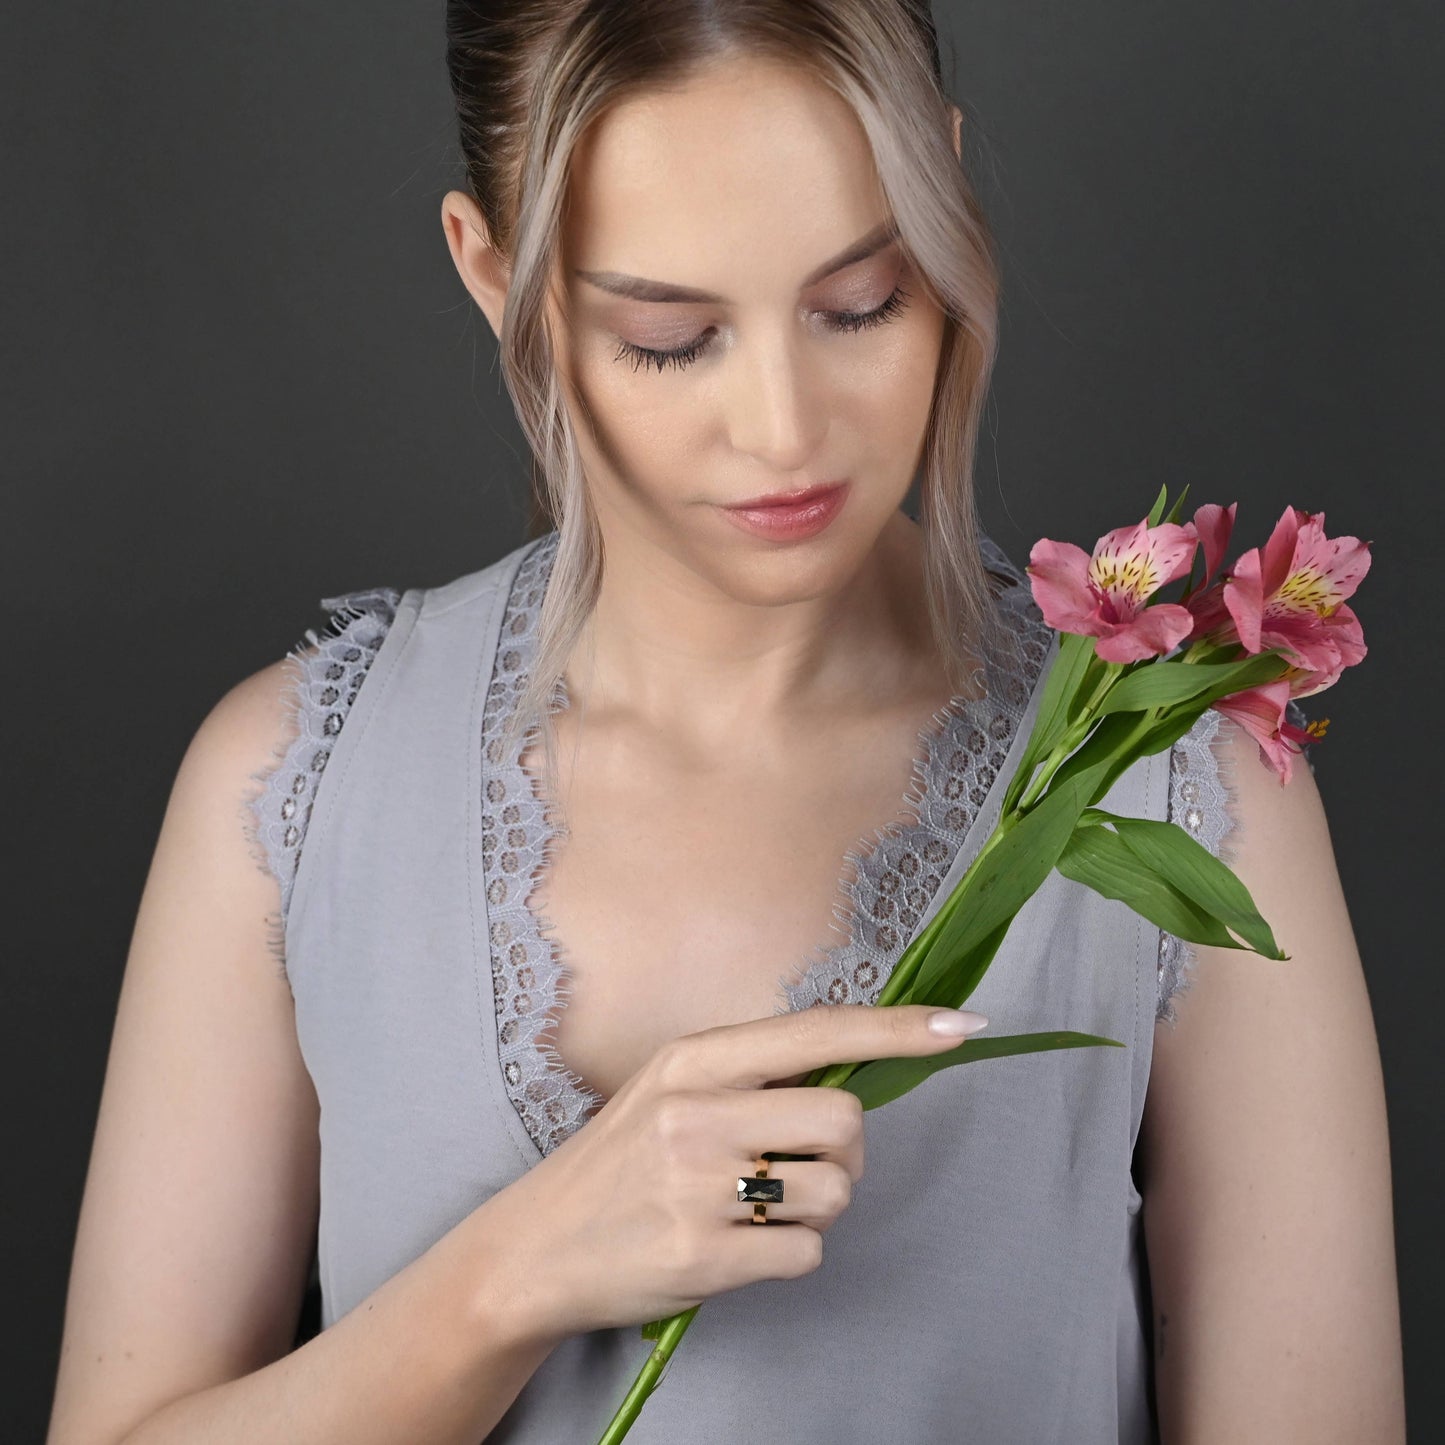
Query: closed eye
[681, 356]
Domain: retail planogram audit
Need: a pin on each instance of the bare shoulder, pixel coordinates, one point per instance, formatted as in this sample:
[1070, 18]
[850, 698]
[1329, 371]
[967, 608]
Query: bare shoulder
[254, 713]
[250, 726]
[1264, 1158]
[198, 1216]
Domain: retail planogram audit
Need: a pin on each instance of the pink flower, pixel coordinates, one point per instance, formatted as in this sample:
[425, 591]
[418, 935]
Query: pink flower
[1290, 595]
[1214, 525]
[1205, 603]
[1104, 596]
[1260, 711]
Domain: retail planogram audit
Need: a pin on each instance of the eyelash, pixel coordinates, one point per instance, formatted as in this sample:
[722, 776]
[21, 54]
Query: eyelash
[840, 321]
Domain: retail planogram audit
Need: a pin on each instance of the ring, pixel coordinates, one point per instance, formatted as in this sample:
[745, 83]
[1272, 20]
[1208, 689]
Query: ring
[760, 1191]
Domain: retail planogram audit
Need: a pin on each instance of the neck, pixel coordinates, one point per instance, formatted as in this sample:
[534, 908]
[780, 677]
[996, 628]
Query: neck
[668, 650]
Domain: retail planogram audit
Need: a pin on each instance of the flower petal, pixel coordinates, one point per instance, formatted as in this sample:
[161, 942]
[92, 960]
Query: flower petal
[1279, 551]
[1260, 711]
[1325, 570]
[1214, 524]
[1345, 646]
[1211, 617]
[1173, 545]
[1153, 632]
[1130, 564]
[1058, 575]
[1244, 597]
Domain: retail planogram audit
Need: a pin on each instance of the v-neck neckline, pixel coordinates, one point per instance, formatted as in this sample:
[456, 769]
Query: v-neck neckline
[891, 879]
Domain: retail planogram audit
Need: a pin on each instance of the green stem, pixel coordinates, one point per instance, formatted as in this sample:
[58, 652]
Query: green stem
[1111, 673]
[1105, 675]
[901, 979]
[650, 1375]
[1051, 765]
[647, 1377]
[1063, 749]
[905, 971]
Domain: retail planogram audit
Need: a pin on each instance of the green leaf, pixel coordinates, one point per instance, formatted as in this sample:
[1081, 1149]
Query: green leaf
[1190, 867]
[1075, 654]
[1070, 665]
[1117, 742]
[953, 979]
[1102, 860]
[1114, 740]
[1005, 876]
[1176, 510]
[953, 975]
[882, 1080]
[1105, 747]
[1157, 510]
[1169, 729]
[1165, 684]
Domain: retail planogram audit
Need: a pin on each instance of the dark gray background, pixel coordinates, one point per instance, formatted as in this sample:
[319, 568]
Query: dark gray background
[240, 374]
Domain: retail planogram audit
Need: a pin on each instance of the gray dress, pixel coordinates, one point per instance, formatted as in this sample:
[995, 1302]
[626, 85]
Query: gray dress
[988, 1282]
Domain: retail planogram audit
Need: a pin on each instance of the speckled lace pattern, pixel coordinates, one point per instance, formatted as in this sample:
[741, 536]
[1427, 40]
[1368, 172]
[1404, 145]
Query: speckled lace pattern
[889, 879]
[329, 669]
[886, 885]
[529, 979]
[1202, 802]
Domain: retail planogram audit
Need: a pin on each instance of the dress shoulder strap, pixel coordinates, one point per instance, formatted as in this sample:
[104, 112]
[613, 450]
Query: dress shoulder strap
[328, 669]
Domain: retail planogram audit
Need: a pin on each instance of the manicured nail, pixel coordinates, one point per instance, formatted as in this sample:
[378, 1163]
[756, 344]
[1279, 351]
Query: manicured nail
[952, 1022]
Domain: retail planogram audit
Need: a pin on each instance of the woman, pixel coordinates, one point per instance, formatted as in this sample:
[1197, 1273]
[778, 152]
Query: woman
[730, 255]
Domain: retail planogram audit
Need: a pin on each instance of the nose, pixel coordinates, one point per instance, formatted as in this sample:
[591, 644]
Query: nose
[777, 402]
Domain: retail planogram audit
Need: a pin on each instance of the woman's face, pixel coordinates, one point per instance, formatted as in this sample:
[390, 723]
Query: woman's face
[726, 337]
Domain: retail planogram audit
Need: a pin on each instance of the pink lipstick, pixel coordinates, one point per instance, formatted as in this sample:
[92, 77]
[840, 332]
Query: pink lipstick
[790, 516]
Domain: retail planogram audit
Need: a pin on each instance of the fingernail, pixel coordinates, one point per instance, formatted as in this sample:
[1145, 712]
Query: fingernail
[952, 1022]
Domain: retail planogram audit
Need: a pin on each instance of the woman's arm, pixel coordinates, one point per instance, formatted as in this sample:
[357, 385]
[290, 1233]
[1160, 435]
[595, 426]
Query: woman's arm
[199, 1213]
[1265, 1161]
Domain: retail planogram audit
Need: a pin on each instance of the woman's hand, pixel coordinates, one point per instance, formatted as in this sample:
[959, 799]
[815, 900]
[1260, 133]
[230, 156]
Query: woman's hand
[635, 1217]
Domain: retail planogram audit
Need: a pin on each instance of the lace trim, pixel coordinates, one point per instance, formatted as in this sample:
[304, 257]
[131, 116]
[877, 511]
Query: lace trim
[1203, 801]
[329, 670]
[890, 879]
[518, 840]
[893, 876]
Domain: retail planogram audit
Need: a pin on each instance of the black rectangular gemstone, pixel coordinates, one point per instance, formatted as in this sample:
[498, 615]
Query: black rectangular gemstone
[756, 1190]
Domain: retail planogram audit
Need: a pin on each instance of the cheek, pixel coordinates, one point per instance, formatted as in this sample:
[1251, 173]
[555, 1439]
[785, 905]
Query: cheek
[889, 394]
[647, 428]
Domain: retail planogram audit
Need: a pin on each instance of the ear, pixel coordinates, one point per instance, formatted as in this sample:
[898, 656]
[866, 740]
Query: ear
[484, 273]
[957, 115]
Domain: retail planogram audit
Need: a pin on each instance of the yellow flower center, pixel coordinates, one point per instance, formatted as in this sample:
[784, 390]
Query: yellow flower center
[1308, 590]
[1132, 575]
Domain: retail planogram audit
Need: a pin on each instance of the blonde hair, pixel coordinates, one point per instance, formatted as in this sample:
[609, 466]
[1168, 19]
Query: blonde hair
[530, 78]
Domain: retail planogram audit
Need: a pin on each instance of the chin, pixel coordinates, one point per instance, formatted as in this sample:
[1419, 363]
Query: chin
[769, 574]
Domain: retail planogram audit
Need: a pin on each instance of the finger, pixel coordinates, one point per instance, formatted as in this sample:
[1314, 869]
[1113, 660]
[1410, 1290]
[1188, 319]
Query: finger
[791, 1045]
[749, 1252]
[825, 1123]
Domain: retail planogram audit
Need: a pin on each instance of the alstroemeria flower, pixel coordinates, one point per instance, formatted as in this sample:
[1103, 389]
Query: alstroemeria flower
[1290, 594]
[1214, 524]
[1260, 711]
[1105, 595]
[1205, 602]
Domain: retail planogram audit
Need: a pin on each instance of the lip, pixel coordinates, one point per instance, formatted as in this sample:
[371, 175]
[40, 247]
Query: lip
[790, 516]
[788, 499]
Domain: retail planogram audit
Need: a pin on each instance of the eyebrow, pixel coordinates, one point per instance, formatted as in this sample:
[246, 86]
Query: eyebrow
[639, 288]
